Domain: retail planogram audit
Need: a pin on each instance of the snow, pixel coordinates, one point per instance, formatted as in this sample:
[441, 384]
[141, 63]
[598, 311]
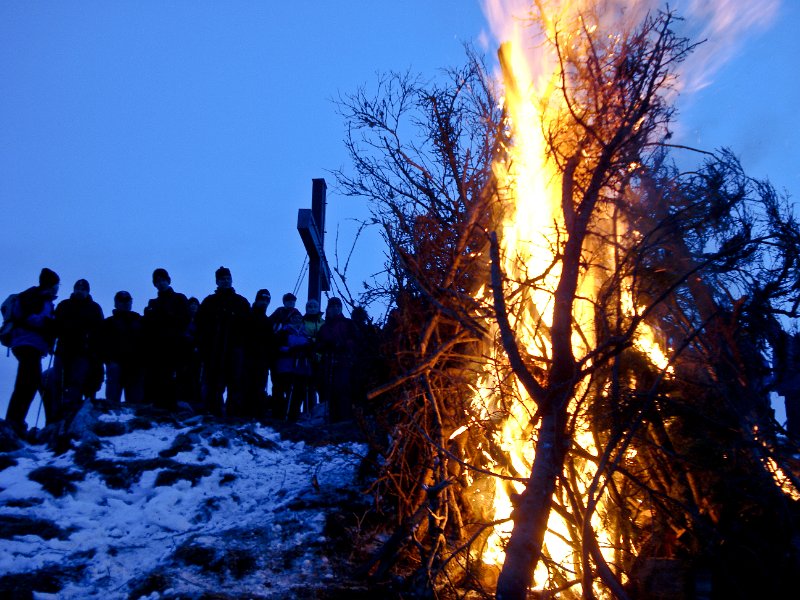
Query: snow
[247, 517]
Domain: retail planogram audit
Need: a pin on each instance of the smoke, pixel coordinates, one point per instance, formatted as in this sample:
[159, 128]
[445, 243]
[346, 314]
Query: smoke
[720, 27]
[723, 27]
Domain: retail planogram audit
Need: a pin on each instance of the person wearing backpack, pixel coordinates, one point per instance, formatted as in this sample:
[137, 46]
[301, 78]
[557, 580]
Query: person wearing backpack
[31, 339]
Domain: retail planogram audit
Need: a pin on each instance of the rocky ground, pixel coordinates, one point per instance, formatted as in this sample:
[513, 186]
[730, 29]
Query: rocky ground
[143, 504]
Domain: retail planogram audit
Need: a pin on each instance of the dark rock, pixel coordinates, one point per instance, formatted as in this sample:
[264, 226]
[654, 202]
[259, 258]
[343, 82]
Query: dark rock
[82, 424]
[196, 555]
[177, 471]
[9, 437]
[121, 475]
[239, 562]
[254, 439]
[12, 526]
[86, 453]
[56, 480]
[207, 510]
[110, 428]
[7, 461]
[140, 424]
[219, 440]
[49, 579]
[184, 442]
[23, 502]
[227, 478]
[144, 586]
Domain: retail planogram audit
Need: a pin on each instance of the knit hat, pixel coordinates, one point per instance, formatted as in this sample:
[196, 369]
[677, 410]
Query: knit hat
[222, 272]
[263, 295]
[81, 284]
[48, 278]
[161, 274]
[122, 295]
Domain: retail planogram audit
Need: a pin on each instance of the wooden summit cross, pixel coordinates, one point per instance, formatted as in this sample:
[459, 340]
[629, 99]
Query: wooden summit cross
[311, 225]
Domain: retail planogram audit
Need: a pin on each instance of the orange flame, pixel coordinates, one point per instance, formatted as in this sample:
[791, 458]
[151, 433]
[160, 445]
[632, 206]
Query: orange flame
[530, 190]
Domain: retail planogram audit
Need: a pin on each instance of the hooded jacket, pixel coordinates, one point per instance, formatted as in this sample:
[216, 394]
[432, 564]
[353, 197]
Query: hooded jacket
[34, 321]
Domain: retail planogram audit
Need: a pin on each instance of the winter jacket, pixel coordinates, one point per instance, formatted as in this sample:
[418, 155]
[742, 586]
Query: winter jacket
[121, 338]
[294, 351]
[280, 316]
[337, 336]
[34, 321]
[313, 323]
[78, 322]
[164, 323]
[260, 337]
[222, 321]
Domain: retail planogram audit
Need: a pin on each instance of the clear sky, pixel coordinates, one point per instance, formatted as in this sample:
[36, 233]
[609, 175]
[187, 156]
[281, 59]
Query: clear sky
[142, 134]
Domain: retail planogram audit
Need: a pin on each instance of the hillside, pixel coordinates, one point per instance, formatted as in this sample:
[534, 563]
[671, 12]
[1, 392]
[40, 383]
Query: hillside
[149, 505]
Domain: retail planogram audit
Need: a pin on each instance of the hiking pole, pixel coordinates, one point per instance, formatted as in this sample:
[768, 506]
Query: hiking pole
[41, 396]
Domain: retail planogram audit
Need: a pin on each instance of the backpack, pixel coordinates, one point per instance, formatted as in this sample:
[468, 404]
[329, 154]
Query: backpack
[8, 309]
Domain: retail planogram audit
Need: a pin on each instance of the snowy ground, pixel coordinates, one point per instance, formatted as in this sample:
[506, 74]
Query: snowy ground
[174, 509]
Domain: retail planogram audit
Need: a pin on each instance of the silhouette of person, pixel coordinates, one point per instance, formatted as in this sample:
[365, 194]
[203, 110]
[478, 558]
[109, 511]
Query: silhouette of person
[31, 339]
[165, 320]
[336, 342]
[78, 368]
[280, 316]
[222, 321]
[292, 368]
[121, 348]
[189, 377]
[259, 349]
[312, 321]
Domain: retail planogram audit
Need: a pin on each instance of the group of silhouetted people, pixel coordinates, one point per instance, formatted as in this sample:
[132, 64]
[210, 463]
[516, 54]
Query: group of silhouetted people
[212, 357]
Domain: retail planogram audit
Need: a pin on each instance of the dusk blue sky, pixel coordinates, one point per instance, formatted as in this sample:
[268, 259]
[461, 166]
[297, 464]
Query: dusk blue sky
[185, 135]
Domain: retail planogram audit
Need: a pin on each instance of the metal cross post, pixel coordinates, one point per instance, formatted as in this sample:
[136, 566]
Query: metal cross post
[311, 225]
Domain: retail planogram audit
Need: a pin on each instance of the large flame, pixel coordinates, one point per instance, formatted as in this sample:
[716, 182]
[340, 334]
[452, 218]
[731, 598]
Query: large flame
[530, 191]
[529, 186]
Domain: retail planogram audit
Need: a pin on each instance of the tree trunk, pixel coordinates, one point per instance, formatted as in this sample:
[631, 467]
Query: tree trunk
[524, 550]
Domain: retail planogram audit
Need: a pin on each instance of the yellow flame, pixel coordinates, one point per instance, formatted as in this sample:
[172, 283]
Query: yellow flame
[529, 185]
[530, 190]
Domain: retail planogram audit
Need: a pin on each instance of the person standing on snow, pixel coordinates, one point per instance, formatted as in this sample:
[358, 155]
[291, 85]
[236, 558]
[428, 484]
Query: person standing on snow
[165, 320]
[313, 321]
[259, 349]
[292, 368]
[78, 368]
[222, 321]
[336, 342]
[31, 339]
[121, 350]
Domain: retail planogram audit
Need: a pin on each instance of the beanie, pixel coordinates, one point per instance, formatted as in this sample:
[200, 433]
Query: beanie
[81, 284]
[222, 272]
[161, 274]
[48, 278]
[263, 295]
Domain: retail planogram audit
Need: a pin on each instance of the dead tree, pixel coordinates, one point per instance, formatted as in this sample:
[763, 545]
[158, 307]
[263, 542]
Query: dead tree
[422, 156]
[614, 89]
[614, 109]
[694, 257]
